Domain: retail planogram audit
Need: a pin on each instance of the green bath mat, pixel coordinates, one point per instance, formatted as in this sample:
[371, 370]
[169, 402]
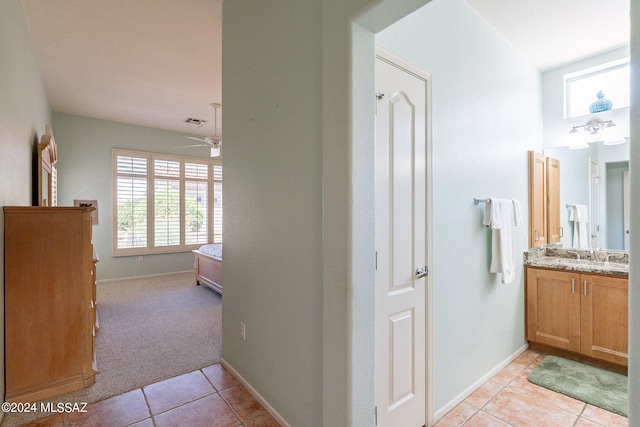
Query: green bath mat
[598, 387]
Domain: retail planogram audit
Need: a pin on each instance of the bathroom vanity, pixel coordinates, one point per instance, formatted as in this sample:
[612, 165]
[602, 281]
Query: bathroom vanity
[577, 304]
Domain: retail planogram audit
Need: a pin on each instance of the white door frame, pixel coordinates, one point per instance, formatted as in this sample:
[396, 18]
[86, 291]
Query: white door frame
[420, 72]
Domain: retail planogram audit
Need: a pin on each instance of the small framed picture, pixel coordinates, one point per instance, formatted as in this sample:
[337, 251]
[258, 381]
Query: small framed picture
[91, 204]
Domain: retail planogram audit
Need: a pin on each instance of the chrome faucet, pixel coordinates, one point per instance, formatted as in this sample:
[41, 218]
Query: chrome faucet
[614, 255]
[575, 253]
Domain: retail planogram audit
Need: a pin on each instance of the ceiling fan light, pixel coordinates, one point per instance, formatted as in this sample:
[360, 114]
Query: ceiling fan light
[215, 151]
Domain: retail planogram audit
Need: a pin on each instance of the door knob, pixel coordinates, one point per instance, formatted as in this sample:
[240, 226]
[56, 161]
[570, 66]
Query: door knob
[422, 272]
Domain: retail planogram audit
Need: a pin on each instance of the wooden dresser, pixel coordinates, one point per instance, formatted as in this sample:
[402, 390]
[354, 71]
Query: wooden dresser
[50, 317]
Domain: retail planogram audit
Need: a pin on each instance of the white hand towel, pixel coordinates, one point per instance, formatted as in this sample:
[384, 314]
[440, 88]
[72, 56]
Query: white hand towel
[517, 212]
[504, 215]
[579, 214]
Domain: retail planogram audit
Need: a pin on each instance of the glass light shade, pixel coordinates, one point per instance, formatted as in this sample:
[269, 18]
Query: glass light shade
[215, 151]
[611, 135]
[576, 140]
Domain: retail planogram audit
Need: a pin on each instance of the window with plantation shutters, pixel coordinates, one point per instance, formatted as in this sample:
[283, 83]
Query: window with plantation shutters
[165, 203]
[217, 203]
[196, 203]
[131, 202]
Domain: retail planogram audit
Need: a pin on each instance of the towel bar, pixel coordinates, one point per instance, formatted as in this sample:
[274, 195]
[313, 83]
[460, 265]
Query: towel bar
[476, 200]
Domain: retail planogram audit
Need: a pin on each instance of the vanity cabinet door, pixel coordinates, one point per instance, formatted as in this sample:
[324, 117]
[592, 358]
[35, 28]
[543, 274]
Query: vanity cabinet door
[537, 200]
[553, 200]
[553, 308]
[605, 314]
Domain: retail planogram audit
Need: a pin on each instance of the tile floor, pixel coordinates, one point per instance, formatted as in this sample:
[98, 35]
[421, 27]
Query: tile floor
[509, 399]
[210, 397]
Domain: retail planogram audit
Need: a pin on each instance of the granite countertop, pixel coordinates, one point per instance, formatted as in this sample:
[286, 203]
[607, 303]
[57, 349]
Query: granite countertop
[613, 263]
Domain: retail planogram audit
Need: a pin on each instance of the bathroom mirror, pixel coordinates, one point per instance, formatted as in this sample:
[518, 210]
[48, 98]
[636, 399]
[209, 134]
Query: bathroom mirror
[598, 178]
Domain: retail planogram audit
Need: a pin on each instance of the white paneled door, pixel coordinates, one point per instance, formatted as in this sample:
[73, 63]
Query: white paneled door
[401, 245]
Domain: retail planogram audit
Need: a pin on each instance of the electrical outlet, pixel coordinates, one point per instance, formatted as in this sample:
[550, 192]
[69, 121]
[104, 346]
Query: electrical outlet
[141, 258]
[243, 335]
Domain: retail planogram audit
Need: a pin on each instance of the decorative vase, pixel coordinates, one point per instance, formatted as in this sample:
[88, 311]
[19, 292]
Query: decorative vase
[602, 104]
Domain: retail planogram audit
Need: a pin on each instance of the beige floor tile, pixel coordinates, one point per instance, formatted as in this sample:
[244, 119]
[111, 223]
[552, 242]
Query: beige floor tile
[210, 411]
[457, 416]
[526, 358]
[57, 420]
[507, 374]
[603, 417]
[242, 403]
[264, 420]
[176, 391]
[481, 396]
[521, 410]
[220, 377]
[523, 386]
[117, 411]
[144, 423]
[583, 422]
[482, 419]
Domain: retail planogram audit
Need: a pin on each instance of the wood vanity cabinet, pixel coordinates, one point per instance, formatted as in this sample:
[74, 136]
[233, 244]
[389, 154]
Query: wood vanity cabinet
[49, 301]
[581, 314]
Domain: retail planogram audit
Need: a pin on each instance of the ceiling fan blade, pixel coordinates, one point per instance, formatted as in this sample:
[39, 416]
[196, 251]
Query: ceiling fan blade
[194, 145]
[197, 139]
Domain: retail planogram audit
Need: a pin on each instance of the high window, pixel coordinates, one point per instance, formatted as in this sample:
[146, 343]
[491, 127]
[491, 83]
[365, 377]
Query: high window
[581, 88]
[164, 203]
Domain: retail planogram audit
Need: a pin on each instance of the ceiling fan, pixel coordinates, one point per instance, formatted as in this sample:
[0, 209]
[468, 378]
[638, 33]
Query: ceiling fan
[215, 141]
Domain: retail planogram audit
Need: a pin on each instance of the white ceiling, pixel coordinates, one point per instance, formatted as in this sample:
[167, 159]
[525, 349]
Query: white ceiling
[556, 32]
[147, 62]
[158, 62]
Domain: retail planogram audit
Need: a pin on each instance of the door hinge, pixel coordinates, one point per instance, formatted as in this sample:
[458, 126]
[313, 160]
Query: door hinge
[376, 261]
[375, 415]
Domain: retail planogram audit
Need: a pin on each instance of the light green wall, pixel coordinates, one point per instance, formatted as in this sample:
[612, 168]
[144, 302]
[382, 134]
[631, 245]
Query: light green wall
[273, 204]
[84, 172]
[487, 113]
[24, 112]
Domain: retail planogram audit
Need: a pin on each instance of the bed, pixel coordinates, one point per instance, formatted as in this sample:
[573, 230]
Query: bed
[209, 266]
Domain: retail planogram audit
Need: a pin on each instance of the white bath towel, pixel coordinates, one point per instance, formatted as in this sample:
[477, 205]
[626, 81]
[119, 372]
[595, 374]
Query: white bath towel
[503, 215]
[579, 214]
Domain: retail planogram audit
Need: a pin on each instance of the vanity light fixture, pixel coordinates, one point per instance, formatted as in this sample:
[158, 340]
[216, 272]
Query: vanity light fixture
[610, 134]
[577, 139]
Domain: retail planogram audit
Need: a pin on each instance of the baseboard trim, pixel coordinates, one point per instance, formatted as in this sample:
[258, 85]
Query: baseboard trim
[255, 393]
[452, 404]
[148, 276]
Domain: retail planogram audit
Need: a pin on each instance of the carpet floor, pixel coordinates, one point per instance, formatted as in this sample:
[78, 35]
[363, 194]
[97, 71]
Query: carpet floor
[599, 387]
[151, 329]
